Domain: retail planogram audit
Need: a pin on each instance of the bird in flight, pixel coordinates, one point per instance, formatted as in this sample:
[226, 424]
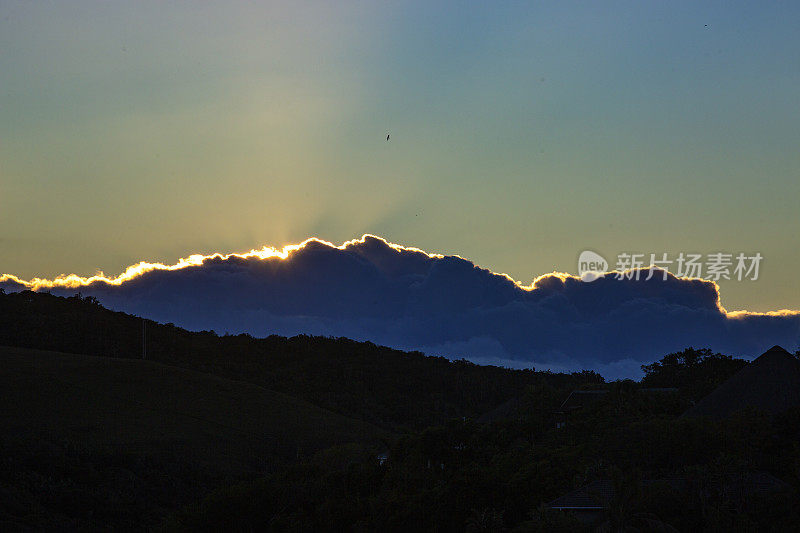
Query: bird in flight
[387, 136]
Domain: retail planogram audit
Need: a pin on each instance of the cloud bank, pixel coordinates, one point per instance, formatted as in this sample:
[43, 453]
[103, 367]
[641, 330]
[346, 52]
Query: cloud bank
[370, 289]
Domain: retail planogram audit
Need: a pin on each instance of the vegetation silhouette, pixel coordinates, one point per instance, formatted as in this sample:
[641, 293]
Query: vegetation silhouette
[358, 437]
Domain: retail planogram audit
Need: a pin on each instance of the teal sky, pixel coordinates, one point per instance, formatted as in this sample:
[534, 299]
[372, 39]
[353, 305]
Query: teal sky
[521, 133]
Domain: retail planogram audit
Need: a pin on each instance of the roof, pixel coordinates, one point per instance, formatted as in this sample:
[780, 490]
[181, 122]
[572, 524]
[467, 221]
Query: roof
[513, 408]
[598, 494]
[770, 383]
[583, 398]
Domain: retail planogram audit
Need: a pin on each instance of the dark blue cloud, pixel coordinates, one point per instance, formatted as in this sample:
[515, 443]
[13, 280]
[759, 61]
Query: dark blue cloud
[405, 298]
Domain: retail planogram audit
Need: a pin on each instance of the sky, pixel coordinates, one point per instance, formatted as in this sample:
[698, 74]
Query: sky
[521, 133]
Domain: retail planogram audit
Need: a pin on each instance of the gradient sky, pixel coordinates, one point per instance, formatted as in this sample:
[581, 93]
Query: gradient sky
[521, 134]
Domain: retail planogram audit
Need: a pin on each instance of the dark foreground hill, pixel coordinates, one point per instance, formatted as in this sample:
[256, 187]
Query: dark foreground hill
[213, 433]
[389, 388]
[121, 404]
[94, 441]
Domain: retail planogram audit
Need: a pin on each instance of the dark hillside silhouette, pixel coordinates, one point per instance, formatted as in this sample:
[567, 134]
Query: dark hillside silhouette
[387, 387]
[93, 442]
[226, 432]
[134, 404]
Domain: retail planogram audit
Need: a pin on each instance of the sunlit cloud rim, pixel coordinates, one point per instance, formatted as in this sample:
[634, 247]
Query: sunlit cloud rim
[74, 281]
